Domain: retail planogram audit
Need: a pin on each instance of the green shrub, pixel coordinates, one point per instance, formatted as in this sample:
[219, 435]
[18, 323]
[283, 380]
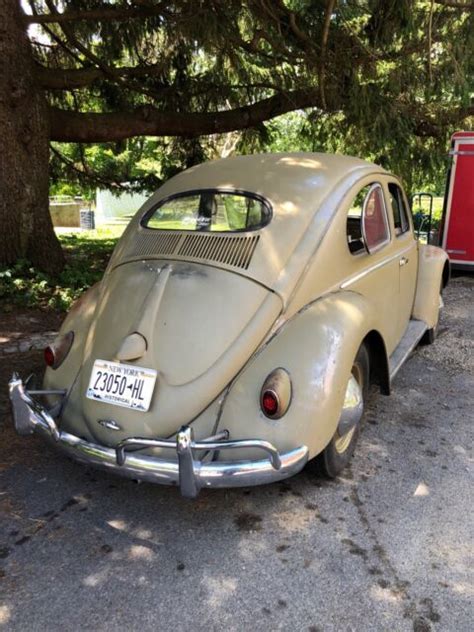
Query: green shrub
[87, 255]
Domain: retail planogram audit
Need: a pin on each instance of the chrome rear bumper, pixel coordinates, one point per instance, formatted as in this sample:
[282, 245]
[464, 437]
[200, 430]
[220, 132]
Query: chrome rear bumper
[191, 475]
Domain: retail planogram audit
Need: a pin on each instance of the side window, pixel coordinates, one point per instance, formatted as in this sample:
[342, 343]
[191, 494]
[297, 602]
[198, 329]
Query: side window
[375, 229]
[354, 222]
[400, 215]
[367, 225]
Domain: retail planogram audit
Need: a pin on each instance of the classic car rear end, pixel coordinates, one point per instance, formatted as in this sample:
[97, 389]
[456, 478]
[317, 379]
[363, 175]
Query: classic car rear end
[234, 334]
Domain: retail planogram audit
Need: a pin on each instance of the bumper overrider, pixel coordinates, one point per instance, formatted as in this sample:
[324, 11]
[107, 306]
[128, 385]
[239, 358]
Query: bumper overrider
[191, 475]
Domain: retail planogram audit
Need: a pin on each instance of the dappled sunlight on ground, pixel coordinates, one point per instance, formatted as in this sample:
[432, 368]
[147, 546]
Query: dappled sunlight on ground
[464, 588]
[385, 594]
[96, 579]
[5, 614]
[219, 589]
[103, 231]
[140, 552]
[384, 547]
[421, 490]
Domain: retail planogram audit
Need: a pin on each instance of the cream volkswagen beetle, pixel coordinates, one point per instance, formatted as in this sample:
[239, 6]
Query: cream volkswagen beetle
[243, 315]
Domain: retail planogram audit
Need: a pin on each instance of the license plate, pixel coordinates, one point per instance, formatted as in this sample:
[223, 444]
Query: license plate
[122, 385]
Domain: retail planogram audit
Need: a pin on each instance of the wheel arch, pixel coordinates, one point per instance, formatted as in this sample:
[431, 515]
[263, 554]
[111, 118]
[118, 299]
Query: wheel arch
[317, 348]
[446, 273]
[379, 373]
[433, 273]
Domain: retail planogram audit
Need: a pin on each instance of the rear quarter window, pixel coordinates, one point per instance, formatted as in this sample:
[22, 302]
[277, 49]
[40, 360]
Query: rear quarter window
[367, 223]
[375, 228]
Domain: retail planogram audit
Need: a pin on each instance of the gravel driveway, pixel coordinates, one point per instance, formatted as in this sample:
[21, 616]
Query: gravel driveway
[388, 546]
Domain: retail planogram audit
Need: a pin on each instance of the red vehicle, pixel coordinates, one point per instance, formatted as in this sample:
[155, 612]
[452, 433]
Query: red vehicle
[457, 224]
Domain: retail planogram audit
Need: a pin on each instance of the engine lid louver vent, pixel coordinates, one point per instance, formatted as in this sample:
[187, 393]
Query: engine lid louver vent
[231, 250]
[155, 243]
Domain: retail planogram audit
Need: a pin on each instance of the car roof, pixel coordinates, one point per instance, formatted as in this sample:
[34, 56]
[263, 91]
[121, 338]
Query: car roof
[305, 191]
[301, 178]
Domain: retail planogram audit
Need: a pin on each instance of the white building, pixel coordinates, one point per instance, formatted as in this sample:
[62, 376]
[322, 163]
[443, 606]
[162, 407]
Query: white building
[110, 206]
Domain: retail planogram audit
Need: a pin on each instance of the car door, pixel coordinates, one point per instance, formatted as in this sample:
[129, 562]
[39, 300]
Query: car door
[407, 246]
[375, 256]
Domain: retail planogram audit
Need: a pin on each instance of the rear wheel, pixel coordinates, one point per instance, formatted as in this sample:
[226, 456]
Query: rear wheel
[337, 454]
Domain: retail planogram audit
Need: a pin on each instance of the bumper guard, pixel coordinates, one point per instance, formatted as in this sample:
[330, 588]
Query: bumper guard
[191, 475]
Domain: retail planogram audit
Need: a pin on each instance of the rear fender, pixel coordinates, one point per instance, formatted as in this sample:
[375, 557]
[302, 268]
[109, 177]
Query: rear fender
[317, 347]
[433, 273]
[78, 321]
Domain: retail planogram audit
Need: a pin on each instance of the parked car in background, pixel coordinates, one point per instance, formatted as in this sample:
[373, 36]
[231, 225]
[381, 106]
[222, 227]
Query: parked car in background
[244, 313]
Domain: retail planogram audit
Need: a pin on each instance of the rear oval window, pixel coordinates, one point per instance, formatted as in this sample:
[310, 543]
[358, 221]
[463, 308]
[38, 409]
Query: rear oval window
[210, 210]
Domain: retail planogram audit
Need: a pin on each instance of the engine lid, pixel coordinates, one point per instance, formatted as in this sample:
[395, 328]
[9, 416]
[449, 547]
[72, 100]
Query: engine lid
[200, 325]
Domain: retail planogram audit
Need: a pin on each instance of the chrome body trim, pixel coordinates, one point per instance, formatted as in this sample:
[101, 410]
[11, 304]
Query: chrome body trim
[191, 475]
[110, 424]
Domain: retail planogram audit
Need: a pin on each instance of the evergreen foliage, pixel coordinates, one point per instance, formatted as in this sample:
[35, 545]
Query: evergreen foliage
[388, 80]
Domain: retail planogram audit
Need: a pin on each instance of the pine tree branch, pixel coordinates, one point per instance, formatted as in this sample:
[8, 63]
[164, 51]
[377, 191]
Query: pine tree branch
[434, 124]
[456, 4]
[54, 37]
[85, 174]
[118, 14]
[73, 78]
[108, 71]
[324, 41]
[72, 39]
[91, 127]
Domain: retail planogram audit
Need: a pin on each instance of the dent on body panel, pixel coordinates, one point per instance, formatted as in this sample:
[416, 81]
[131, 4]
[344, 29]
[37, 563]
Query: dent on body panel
[324, 369]
[184, 271]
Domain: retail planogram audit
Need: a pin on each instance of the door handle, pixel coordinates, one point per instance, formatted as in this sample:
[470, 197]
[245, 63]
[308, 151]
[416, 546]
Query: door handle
[403, 261]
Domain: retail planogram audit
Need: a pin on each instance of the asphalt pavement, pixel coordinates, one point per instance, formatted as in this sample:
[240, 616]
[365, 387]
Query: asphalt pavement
[387, 546]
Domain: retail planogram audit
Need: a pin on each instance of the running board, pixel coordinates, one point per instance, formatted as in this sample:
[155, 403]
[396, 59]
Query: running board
[412, 336]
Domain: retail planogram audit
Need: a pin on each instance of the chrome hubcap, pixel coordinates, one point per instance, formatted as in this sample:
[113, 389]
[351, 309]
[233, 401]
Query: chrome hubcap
[352, 411]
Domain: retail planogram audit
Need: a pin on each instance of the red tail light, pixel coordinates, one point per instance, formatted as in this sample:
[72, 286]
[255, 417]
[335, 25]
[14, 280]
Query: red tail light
[270, 403]
[49, 357]
[275, 396]
[55, 354]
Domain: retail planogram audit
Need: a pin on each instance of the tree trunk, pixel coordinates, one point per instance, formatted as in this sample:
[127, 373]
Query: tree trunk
[26, 230]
